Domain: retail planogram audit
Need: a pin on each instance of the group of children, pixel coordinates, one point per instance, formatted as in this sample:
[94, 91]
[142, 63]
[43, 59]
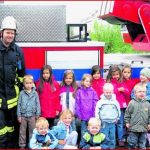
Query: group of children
[102, 107]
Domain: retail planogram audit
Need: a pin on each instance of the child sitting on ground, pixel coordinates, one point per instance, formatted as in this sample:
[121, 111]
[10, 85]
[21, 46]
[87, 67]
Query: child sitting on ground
[64, 131]
[93, 138]
[42, 137]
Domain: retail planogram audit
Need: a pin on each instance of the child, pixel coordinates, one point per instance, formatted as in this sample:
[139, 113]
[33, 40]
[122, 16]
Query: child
[97, 81]
[42, 137]
[64, 132]
[86, 98]
[137, 118]
[120, 89]
[28, 109]
[48, 90]
[108, 111]
[68, 87]
[130, 83]
[144, 80]
[93, 138]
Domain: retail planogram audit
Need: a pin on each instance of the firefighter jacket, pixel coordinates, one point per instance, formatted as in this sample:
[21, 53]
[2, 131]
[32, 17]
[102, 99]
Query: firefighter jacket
[12, 69]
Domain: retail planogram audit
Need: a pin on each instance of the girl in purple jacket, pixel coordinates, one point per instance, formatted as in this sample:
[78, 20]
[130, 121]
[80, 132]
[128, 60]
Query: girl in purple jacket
[86, 98]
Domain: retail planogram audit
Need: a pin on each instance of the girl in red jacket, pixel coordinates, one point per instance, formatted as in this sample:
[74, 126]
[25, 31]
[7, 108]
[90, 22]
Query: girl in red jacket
[48, 90]
[97, 81]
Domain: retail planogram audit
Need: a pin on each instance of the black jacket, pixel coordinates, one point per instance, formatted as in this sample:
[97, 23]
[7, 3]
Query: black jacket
[11, 67]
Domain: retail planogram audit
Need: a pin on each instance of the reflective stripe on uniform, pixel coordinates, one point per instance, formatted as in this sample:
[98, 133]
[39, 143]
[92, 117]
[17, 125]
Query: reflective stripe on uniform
[0, 102]
[3, 131]
[21, 79]
[10, 129]
[13, 102]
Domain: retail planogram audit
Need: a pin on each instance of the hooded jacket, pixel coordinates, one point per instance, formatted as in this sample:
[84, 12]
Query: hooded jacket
[108, 110]
[86, 99]
[28, 104]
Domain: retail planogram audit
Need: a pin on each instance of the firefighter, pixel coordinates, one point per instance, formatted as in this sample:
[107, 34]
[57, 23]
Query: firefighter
[12, 70]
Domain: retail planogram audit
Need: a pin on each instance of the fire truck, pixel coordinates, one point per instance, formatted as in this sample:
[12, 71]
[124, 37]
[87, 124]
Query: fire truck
[45, 38]
[134, 15]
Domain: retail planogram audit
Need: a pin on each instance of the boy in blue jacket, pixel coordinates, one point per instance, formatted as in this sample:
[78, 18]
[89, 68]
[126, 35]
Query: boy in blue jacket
[42, 137]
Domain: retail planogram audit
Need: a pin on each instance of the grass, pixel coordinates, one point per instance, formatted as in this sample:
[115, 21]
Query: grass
[111, 35]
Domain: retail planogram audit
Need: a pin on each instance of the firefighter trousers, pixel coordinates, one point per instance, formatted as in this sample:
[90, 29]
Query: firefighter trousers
[8, 122]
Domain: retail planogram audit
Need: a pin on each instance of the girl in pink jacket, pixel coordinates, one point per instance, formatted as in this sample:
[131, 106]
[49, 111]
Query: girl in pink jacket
[129, 82]
[121, 91]
[48, 90]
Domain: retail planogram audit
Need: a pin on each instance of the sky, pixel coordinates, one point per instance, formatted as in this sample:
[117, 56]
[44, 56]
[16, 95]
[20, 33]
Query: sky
[76, 11]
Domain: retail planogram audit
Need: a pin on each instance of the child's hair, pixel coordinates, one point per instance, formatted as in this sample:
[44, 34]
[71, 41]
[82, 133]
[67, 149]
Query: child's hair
[126, 66]
[113, 69]
[41, 122]
[28, 77]
[108, 86]
[95, 68]
[93, 121]
[146, 72]
[65, 113]
[139, 85]
[85, 76]
[73, 84]
[48, 67]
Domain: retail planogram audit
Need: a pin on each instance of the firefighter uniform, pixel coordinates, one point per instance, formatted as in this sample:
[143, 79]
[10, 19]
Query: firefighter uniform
[12, 70]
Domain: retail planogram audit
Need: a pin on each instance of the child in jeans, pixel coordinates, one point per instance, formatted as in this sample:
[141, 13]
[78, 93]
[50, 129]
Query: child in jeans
[93, 138]
[121, 90]
[28, 109]
[64, 131]
[42, 137]
[108, 111]
[137, 118]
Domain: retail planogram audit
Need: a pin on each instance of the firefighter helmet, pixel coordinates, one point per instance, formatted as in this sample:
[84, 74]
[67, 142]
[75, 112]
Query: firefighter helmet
[9, 22]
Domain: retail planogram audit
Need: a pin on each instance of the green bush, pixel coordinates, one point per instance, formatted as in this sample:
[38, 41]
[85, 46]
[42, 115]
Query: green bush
[111, 35]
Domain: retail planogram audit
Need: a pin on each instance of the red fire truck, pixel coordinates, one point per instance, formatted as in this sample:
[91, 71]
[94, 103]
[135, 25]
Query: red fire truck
[42, 36]
[135, 15]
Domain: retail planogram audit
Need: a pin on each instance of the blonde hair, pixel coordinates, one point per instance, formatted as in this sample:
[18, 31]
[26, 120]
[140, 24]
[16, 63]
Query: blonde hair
[108, 86]
[41, 122]
[28, 77]
[65, 113]
[139, 86]
[85, 76]
[93, 121]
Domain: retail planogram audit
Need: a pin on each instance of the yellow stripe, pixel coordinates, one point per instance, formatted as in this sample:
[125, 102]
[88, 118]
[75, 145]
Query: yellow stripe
[3, 131]
[12, 105]
[10, 129]
[13, 102]
[0, 100]
[21, 79]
